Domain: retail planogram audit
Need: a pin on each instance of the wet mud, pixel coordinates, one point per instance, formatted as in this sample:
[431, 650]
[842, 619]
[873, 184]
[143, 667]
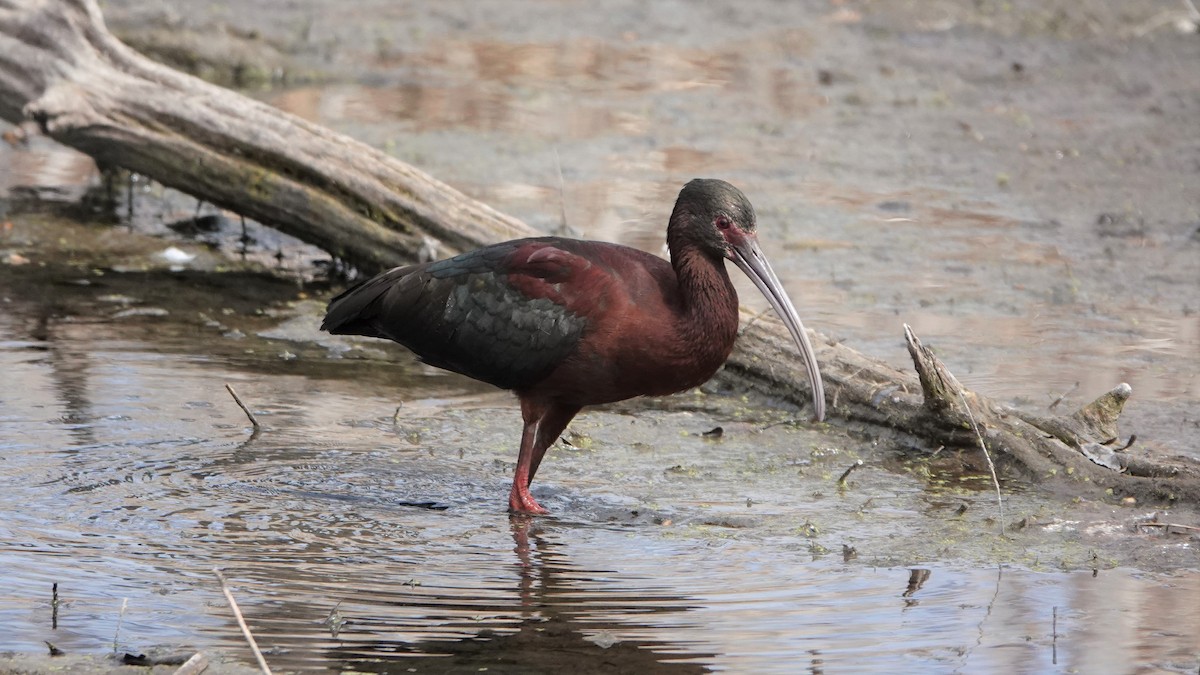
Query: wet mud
[1013, 182]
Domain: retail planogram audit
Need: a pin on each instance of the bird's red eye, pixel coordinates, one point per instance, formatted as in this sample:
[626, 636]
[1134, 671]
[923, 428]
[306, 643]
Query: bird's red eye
[724, 223]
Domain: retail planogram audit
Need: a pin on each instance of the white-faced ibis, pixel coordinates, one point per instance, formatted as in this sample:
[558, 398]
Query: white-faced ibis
[566, 323]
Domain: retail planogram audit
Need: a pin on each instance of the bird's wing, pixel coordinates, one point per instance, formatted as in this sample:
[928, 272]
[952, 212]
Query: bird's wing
[498, 314]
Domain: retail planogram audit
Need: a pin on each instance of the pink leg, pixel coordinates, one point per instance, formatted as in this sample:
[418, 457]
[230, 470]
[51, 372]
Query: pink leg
[543, 423]
[554, 420]
[519, 499]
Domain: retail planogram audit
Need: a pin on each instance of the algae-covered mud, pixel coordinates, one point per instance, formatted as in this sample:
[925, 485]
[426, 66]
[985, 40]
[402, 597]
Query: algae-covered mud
[1015, 181]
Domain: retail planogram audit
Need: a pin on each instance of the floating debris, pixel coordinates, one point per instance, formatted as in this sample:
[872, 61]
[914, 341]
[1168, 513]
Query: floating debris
[176, 256]
[140, 311]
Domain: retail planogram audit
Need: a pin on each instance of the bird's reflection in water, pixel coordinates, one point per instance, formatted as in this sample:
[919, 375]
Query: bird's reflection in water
[563, 621]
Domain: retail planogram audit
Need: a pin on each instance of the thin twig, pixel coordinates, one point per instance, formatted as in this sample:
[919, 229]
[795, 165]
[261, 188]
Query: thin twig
[237, 614]
[129, 199]
[776, 424]
[120, 620]
[1062, 396]
[988, 456]
[1167, 527]
[243, 240]
[238, 400]
[842, 481]
[1054, 638]
[193, 666]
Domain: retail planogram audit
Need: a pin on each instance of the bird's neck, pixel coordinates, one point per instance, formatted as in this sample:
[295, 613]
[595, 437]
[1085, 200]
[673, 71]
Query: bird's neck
[709, 320]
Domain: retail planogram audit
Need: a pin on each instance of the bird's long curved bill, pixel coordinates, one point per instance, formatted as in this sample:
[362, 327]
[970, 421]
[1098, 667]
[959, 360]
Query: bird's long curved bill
[749, 257]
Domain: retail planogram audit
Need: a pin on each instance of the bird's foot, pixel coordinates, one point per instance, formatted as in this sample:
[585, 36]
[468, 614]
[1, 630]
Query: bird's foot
[520, 501]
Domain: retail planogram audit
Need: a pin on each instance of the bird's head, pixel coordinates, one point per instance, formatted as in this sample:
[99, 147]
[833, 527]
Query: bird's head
[718, 219]
[712, 215]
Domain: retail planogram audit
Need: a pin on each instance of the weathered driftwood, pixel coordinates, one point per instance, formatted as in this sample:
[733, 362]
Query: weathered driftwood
[1076, 450]
[61, 69]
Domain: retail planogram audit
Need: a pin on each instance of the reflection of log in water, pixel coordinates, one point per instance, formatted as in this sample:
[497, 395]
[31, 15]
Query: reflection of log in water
[61, 69]
[70, 365]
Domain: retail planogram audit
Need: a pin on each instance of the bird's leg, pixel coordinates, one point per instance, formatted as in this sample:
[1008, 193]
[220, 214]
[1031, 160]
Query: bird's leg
[519, 499]
[543, 423]
[554, 420]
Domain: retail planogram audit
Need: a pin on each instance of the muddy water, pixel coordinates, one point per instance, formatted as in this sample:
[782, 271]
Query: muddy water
[922, 178]
[1018, 199]
[363, 527]
[358, 537]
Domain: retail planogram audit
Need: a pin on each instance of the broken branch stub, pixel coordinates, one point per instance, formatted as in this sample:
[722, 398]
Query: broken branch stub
[940, 388]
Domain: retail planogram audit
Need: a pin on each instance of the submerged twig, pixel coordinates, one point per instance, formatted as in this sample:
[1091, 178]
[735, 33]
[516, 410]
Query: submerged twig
[1054, 638]
[243, 241]
[238, 400]
[846, 474]
[131, 177]
[237, 614]
[54, 606]
[1062, 396]
[988, 457]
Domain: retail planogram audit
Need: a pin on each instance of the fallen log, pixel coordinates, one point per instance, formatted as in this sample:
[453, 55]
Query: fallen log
[1081, 451]
[62, 70]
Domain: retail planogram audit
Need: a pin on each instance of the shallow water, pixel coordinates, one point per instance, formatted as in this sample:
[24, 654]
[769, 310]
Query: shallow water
[993, 210]
[990, 211]
[356, 536]
[361, 537]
